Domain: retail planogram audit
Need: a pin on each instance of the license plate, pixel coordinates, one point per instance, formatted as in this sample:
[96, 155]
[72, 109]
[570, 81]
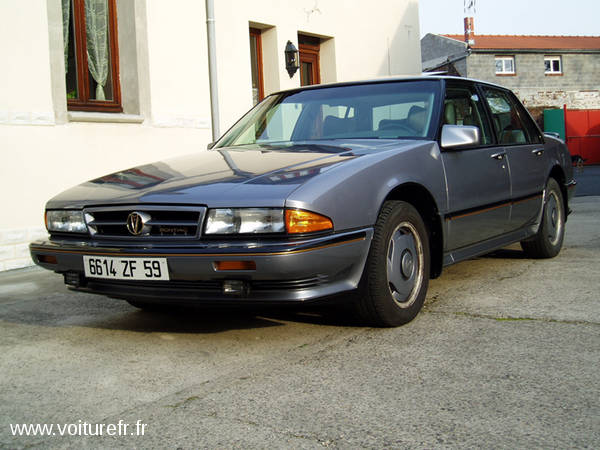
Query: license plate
[117, 268]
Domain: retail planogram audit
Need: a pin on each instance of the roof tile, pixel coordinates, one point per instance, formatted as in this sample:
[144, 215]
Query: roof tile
[516, 42]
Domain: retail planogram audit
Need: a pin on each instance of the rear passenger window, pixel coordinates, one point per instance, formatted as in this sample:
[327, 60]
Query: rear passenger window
[511, 122]
[464, 107]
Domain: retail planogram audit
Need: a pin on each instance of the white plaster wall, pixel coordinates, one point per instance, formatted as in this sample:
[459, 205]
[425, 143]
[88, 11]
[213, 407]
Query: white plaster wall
[25, 81]
[369, 40]
[178, 63]
[42, 155]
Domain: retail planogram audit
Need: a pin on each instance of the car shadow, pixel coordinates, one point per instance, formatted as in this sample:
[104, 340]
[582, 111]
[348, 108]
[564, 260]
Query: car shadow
[506, 253]
[91, 311]
[192, 321]
[334, 311]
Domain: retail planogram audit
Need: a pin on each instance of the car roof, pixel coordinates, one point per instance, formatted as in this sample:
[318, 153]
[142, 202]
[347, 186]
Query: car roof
[387, 79]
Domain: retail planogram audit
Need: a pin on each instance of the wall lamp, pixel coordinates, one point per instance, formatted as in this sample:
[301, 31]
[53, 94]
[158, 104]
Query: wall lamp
[292, 60]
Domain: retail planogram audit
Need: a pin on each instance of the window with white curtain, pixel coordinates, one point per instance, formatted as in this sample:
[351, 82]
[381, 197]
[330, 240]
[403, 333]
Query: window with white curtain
[91, 55]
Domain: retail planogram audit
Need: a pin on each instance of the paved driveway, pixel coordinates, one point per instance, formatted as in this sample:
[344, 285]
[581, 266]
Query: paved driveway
[505, 354]
[588, 180]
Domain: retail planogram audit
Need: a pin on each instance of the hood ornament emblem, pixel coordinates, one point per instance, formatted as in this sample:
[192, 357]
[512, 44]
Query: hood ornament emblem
[137, 223]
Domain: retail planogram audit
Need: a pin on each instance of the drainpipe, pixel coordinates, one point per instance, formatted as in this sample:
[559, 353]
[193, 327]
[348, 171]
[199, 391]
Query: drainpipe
[212, 69]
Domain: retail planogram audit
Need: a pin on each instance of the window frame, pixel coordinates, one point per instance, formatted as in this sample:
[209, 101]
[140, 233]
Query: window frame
[504, 59]
[552, 71]
[474, 88]
[532, 133]
[83, 102]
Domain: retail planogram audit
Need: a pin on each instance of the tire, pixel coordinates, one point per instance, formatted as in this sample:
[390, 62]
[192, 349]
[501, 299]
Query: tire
[396, 275]
[549, 238]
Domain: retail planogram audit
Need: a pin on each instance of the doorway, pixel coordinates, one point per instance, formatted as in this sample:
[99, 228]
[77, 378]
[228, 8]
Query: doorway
[310, 72]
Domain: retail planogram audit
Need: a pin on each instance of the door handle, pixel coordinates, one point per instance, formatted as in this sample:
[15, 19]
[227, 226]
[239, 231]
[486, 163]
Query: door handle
[538, 151]
[499, 156]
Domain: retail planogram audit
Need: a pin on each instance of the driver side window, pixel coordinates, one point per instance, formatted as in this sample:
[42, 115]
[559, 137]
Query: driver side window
[464, 107]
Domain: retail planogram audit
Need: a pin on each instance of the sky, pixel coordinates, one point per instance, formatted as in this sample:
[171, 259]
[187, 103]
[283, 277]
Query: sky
[527, 17]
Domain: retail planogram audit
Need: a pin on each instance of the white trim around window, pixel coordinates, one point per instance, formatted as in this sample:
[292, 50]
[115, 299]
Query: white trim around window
[505, 65]
[552, 65]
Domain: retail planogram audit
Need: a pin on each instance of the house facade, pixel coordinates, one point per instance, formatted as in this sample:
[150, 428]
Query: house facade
[544, 71]
[97, 86]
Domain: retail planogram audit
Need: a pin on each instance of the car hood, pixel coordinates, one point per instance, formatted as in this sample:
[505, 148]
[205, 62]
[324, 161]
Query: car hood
[233, 176]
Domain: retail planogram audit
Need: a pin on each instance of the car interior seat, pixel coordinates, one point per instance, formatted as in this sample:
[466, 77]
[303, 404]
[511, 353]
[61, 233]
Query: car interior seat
[417, 119]
[512, 137]
[449, 113]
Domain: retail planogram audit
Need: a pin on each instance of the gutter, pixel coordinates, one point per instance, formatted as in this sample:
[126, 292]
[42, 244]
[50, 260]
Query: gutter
[212, 69]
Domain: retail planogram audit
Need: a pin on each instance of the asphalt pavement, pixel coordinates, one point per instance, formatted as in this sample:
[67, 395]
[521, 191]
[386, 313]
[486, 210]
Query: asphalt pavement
[505, 354]
[588, 180]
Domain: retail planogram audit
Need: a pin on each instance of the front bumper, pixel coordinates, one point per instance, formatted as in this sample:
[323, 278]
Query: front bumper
[286, 270]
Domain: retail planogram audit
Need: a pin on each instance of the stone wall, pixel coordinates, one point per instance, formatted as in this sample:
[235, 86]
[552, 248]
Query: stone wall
[578, 86]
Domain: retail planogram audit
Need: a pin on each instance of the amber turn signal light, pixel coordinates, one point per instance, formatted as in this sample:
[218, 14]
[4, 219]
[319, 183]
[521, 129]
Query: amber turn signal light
[298, 221]
[235, 265]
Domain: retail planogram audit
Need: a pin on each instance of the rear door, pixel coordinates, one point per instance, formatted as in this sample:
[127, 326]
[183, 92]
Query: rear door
[477, 178]
[524, 147]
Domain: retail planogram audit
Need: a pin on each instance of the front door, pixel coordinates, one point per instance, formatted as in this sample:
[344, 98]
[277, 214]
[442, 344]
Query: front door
[309, 60]
[478, 178]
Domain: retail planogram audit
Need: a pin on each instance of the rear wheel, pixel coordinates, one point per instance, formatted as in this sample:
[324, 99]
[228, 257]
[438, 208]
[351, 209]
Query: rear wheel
[396, 276]
[548, 240]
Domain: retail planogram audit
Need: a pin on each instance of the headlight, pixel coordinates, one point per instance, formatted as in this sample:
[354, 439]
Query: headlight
[67, 221]
[244, 220]
[265, 220]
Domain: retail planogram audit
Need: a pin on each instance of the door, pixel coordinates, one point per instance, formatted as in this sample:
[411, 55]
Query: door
[524, 147]
[256, 65]
[310, 72]
[582, 133]
[478, 178]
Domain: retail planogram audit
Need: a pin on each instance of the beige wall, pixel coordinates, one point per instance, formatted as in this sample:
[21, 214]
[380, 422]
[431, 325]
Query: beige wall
[164, 77]
[362, 40]
[25, 81]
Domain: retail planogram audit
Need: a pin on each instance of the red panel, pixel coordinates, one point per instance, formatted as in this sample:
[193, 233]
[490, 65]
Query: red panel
[583, 134]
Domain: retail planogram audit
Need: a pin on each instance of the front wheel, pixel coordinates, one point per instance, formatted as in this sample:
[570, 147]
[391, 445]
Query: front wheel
[396, 275]
[548, 240]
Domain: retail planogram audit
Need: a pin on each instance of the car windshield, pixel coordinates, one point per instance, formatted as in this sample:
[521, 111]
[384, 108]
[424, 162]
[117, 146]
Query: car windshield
[386, 110]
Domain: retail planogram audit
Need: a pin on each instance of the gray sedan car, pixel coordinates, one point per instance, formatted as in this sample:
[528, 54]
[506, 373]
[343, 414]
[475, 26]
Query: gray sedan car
[363, 188]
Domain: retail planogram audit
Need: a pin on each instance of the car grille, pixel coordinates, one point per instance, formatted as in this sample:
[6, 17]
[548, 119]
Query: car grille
[160, 222]
[306, 283]
[215, 286]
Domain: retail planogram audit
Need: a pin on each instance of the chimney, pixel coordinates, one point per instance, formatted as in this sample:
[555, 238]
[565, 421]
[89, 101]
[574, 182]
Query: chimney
[469, 32]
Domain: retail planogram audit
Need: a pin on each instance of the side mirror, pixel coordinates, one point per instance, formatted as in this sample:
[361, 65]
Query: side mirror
[211, 145]
[459, 136]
